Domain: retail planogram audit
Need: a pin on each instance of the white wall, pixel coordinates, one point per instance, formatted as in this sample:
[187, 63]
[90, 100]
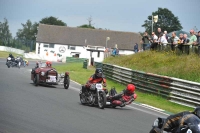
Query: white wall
[82, 51]
[9, 49]
[126, 52]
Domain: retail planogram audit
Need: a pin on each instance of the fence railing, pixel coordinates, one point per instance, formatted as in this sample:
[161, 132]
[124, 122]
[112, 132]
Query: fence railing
[175, 90]
[178, 48]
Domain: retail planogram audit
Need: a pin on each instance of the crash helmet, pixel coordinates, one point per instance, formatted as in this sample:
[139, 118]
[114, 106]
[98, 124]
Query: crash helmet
[48, 64]
[99, 72]
[37, 64]
[10, 54]
[130, 88]
[197, 111]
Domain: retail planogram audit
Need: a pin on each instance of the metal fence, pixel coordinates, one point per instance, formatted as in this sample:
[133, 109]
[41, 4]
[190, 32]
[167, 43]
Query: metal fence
[175, 90]
[178, 48]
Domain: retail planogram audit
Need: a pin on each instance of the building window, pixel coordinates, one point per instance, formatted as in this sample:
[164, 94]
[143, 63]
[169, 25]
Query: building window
[98, 54]
[72, 48]
[51, 45]
[46, 45]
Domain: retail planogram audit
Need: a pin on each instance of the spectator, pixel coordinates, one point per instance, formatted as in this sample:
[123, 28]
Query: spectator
[154, 41]
[198, 38]
[186, 40]
[146, 39]
[159, 34]
[181, 42]
[174, 40]
[163, 39]
[193, 38]
[166, 36]
[136, 48]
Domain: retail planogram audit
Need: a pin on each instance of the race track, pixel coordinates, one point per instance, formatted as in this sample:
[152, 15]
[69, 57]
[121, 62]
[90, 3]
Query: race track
[25, 108]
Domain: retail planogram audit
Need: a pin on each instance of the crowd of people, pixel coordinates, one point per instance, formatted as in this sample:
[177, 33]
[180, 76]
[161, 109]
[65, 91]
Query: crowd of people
[152, 42]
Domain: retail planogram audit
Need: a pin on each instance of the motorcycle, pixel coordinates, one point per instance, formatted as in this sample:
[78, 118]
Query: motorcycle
[121, 101]
[190, 125]
[94, 96]
[13, 62]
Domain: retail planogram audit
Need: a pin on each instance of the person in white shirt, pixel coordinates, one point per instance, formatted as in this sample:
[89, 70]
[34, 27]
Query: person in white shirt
[163, 40]
[154, 41]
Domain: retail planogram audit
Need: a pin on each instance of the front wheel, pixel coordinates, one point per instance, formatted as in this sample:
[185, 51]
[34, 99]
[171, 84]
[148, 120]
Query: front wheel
[82, 98]
[102, 100]
[19, 64]
[36, 79]
[66, 82]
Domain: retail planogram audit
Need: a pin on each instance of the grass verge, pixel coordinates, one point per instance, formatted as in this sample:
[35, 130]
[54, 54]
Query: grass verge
[162, 63]
[4, 54]
[81, 75]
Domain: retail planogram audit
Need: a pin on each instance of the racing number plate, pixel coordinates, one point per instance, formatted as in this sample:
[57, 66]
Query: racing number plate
[99, 86]
[52, 79]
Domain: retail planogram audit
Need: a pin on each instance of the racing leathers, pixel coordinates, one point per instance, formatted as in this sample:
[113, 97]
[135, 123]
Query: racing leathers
[94, 79]
[172, 123]
[122, 99]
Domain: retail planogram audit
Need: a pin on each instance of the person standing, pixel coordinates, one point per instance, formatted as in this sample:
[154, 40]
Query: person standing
[185, 42]
[136, 48]
[193, 39]
[181, 42]
[146, 39]
[174, 41]
[154, 41]
[166, 36]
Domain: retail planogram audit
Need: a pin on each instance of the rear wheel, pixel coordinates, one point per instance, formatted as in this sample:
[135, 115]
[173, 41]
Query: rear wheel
[102, 100]
[36, 79]
[66, 82]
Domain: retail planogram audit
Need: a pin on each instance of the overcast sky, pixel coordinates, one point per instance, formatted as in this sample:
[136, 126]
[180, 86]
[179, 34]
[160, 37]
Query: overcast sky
[120, 15]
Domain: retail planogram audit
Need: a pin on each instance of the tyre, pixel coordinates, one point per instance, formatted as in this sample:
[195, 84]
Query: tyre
[19, 64]
[82, 98]
[102, 100]
[36, 79]
[66, 82]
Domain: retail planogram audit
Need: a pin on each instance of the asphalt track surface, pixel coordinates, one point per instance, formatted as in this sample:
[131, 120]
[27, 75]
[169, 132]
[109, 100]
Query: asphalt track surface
[25, 108]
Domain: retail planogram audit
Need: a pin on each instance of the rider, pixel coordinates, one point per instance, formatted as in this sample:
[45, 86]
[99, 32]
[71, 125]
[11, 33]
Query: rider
[126, 97]
[11, 56]
[173, 121]
[48, 64]
[98, 77]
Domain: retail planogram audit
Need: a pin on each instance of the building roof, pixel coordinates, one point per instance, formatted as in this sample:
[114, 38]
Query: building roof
[83, 36]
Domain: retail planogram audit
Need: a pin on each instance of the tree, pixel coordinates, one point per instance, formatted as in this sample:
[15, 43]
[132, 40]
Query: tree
[166, 21]
[52, 21]
[5, 35]
[87, 25]
[28, 31]
[26, 36]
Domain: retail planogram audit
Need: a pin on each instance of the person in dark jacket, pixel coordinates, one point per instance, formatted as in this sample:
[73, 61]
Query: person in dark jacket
[173, 122]
[136, 48]
[145, 40]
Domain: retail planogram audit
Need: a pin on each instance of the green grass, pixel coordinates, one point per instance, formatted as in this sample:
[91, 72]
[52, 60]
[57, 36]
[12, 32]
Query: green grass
[162, 63]
[81, 75]
[4, 54]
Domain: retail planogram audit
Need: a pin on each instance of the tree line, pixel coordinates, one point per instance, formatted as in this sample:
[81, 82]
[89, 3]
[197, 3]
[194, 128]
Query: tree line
[26, 36]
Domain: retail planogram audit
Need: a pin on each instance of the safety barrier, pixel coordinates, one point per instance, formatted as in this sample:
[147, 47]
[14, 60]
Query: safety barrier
[9, 49]
[175, 90]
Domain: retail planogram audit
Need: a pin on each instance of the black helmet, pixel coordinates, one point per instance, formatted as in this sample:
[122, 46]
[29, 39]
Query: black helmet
[99, 72]
[10, 54]
[197, 111]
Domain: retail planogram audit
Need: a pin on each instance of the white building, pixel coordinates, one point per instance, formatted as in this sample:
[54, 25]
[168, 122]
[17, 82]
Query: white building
[58, 42]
